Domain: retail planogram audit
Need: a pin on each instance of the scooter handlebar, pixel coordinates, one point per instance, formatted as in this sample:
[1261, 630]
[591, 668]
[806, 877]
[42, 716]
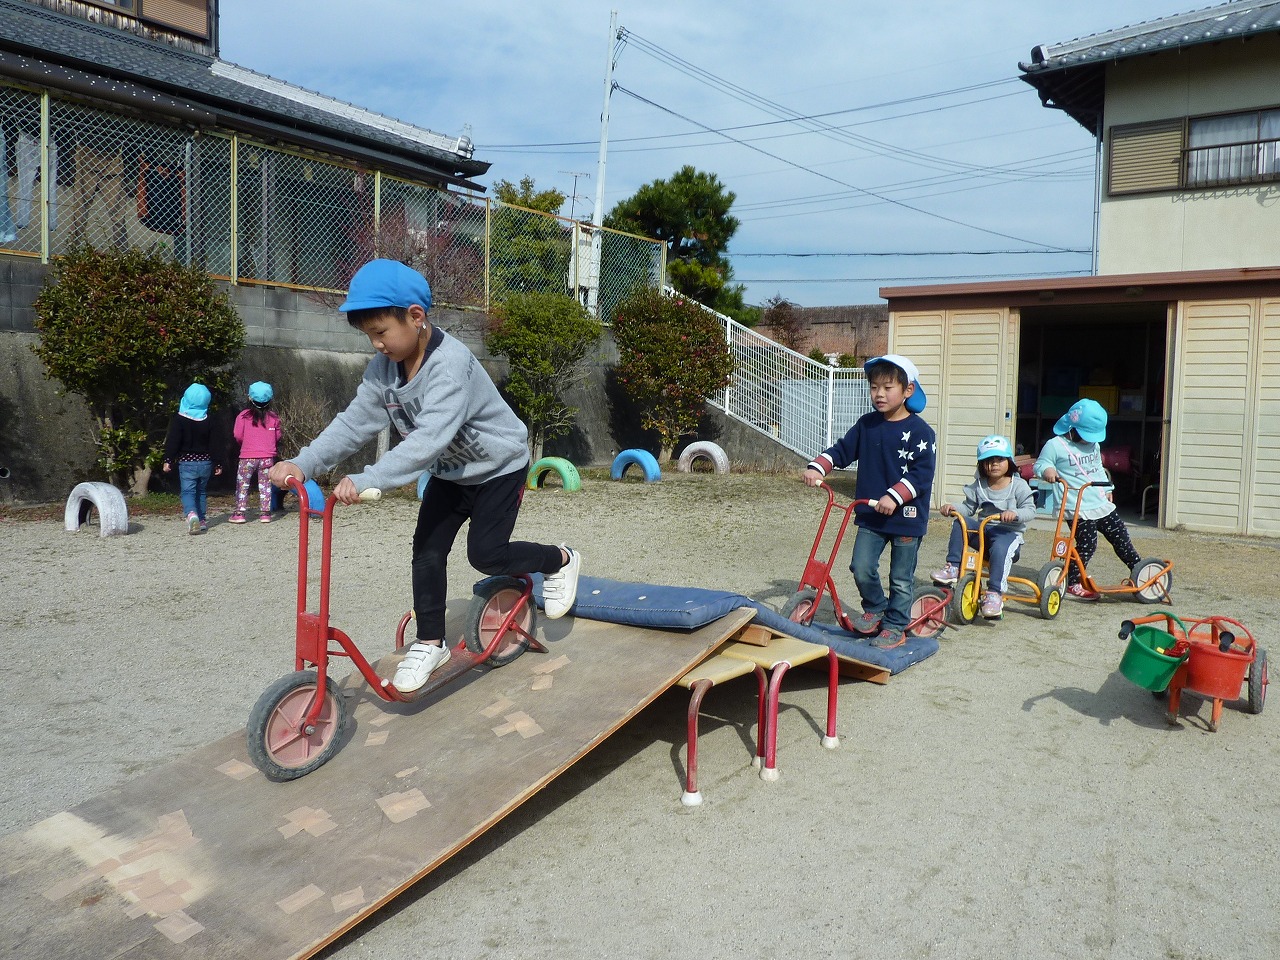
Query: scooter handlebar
[370, 495]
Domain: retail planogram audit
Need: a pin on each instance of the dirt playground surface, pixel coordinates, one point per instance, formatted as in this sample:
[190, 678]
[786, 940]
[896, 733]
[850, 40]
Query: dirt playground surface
[1012, 796]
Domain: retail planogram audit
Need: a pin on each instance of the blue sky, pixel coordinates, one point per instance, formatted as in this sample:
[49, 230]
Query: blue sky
[930, 145]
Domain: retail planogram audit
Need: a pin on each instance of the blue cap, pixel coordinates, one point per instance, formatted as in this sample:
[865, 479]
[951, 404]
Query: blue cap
[915, 403]
[1087, 418]
[994, 446]
[195, 402]
[387, 283]
[261, 392]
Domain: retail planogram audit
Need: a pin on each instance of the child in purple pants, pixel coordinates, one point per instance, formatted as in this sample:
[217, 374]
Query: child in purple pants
[257, 430]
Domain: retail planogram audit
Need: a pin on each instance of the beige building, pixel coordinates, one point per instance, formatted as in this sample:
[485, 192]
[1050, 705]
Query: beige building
[1179, 334]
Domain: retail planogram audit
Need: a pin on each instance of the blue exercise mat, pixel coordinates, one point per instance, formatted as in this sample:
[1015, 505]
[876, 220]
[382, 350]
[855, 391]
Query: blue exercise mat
[687, 608]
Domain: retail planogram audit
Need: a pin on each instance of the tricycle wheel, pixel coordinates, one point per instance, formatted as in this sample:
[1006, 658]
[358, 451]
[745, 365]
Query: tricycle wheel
[494, 599]
[1050, 602]
[1050, 576]
[1258, 681]
[928, 612]
[1154, 586]
[965, 599]
[278, 746]
[802, 606]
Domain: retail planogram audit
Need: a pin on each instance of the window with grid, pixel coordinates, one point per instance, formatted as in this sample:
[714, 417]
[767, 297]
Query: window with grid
[1235, 148]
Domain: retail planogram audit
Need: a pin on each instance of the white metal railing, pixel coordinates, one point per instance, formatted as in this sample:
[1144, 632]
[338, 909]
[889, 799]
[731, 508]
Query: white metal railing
[801, 403]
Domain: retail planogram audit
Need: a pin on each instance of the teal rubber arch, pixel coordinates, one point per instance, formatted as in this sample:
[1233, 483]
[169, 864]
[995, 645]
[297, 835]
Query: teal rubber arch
[567, 472]
[643, 459]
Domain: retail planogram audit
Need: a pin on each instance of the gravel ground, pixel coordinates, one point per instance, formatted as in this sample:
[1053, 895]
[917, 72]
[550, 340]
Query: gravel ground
[1013, 796]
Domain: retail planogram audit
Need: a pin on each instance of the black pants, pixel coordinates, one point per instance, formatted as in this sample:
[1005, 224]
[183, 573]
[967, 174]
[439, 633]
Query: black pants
[1117, 534]
[492, 507]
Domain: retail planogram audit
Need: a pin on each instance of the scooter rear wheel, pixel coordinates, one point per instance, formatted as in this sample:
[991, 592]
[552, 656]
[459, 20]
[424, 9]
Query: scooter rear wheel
[278, 746]
[802, 606]
[494, 599]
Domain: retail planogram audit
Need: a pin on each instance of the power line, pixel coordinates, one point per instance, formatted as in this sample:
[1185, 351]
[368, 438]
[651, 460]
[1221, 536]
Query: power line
[899, 203]
[917, 253]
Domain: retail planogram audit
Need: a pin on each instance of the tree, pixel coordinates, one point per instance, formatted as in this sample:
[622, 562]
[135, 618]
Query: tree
[690, 213]
[783, 321]
[672, 357]
[528, 196]
[529, 248]
[545, 337]
[129, 330]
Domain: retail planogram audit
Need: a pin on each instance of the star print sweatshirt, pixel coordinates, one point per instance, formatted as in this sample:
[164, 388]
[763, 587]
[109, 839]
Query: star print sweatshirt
[894, 457]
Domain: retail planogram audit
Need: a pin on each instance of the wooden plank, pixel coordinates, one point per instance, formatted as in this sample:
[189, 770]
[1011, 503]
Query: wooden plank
[759, 635]
[206, 858]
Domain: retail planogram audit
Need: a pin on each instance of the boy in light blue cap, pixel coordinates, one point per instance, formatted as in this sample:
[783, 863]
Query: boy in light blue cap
[1073, 455]
[190, 445]
[453, 424]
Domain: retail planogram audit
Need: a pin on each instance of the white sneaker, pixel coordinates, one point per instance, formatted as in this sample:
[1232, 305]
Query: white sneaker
[560, 589]
[418, 665]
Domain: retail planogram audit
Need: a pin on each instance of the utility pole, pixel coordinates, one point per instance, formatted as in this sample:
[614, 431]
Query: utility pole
[573, 201]
[597, 215]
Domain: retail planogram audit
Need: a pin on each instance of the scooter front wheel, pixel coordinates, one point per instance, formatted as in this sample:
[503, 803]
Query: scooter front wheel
[1154, 580]
[802, 606]
[928, 612]
[494, 599]
[278, 746]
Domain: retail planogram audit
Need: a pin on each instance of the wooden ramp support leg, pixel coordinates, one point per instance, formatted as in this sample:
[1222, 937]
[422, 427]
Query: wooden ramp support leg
[717, 669]
[778, 657]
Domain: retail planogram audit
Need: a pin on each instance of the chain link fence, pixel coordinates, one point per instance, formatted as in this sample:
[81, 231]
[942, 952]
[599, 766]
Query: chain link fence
[252, 213]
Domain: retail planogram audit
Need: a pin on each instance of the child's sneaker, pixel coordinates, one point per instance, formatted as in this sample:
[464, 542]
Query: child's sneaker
[193, 524]
[1080, 592]
[560, 589]
[237, 518]
[265, 518]
[418, 665]
[992, 605]
[948, 575]
[868, 623]
[204, 526]
[887, 639]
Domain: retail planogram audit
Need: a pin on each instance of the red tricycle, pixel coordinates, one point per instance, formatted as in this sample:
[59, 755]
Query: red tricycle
[1212, 657]
[928, 609]
[298, 722]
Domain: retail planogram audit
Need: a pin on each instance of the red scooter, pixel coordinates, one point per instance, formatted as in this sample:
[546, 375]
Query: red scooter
[298, 722]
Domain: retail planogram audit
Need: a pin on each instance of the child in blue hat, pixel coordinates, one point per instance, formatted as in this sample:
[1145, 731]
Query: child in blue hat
[1073, 455]
[257, 430]
[455, 425]
[190, 445]
[895, 451]
[996, 488]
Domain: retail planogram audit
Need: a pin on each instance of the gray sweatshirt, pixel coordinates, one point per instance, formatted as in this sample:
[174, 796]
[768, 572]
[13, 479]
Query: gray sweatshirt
[451, 418]
[1016, 496]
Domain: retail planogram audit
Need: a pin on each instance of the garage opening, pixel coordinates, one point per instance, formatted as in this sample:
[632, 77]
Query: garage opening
[1115, 354]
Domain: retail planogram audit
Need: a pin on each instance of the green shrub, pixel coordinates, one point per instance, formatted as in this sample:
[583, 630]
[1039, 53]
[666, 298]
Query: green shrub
[672, 357]
[129, 330]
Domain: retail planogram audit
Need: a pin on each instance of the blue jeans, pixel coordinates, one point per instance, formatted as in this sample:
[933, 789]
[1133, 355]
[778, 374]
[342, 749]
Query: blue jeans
[1002, 547]
[867, 548]
[193, 477]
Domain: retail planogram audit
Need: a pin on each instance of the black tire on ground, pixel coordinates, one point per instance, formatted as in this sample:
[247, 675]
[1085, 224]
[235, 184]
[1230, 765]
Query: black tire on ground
[965, 599]
[276, 746]
[494, 599]
[929, 606]
[1050, 602]
[1258, 681]
[1051, 575]
[802, 606]
[1161, 586]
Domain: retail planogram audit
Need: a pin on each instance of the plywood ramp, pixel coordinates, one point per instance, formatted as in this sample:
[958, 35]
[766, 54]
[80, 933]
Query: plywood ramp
[206, 858]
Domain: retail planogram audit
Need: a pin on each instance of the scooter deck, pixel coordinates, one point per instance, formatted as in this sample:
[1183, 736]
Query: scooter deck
[206, 858]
